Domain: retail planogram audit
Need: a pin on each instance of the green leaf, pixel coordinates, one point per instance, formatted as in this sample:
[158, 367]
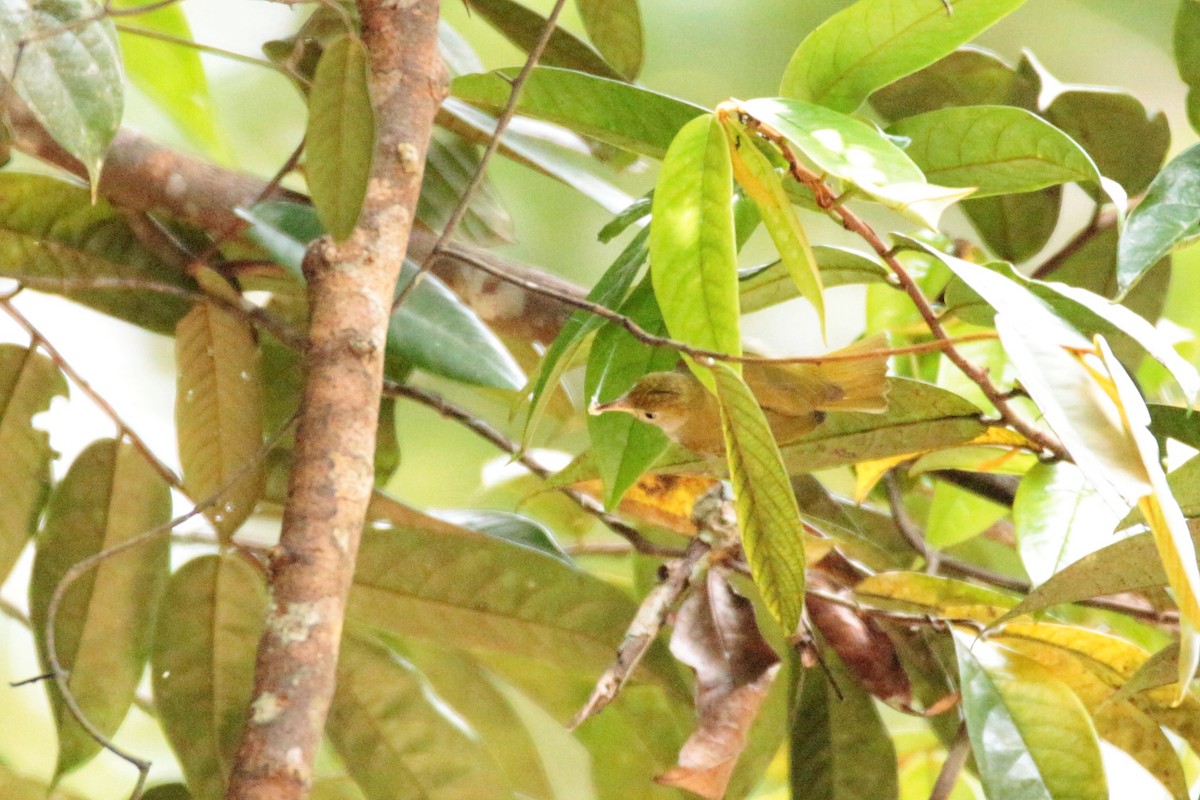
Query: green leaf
[613, 112]
[956, 515]
[931, 594]
[874, 42]
[435, 331]
[202, 664]
[67, 68]
[450, 165]
[340, 140]
[624, 447]
[1016, 226]
[1180, 424]
[996, 149]
[615, 27]
[524, 27]
[970, 76]
[218, 411]
[1030, 735]
[284, 229]
[840, 748]
[771, 284]
[636, 211]
[51, 231]
[857, 153]
[693, 261]
[167, 791]
[1167, 217]
[467, 590]
[170, 74]
[1187, 56]
[1058, 519]
[14, 786]
[103, 628]
[28, 383]
[609, 291]
[510, 527]
[772, 532]
[396, 738]
[756, 175]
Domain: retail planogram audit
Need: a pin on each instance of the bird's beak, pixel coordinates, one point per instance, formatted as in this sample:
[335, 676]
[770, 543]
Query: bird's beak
[620, 404]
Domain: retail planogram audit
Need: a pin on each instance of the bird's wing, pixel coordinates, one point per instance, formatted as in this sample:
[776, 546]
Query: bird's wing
[791, 389]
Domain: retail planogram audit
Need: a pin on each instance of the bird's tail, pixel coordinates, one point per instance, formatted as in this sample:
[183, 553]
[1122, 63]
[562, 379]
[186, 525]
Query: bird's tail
[863, 381]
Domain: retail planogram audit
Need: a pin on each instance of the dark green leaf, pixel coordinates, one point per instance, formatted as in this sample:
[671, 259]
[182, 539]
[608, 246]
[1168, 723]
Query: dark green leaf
[1187, 55]
[55, 239]
[1016, 226]
[626, 116]
[103, 628]
[67, 68]
[634, 212]
[510, 527]
[1180, 424]
[524, 27]
[167, 791]
[340, 140]
[450, 166]
[967, 77]
[395, 736]
[874, 42]
[202, 664]
[615, 27]
[1167, 217]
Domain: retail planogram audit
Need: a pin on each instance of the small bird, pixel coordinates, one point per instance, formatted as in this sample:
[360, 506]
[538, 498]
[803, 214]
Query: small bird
[794, 397]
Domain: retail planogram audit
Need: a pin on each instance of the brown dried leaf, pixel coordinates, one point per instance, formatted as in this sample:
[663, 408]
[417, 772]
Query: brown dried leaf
[717, 636]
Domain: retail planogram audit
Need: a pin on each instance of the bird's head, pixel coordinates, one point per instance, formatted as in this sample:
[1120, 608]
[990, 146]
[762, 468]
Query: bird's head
[664, 399]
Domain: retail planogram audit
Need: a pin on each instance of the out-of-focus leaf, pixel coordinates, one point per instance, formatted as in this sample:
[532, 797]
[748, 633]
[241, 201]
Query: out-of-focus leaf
[168, 791]
[285, 229]
[609, 292]
[1058, 519]
[855, 152]
[450, 165]
[996, 149]
[202, 664]
[28, 383]
[50, 230]
[1187, 56]
[1167, 217]
[625, 116]
[771, 284]
[1030, 734]
[103, 628]
[14, 786]
[840, 749]
[931, 594]
[218, 409]
[435, 331]
[468, 590]
[524, 27]
[693, 260]
[636, 211]
[510, 527]
[756, 175]
[772, 532]
[716, 635]
[956, 515]
[1180, 424]
[624, 447]
[66, 65]
[1016, 226]
[340, 139]
[1126, 143]
[1160, 669]
[874, 42]
[920, 416]
[170, 75]
[615, 27]
[397, 738]
[969, 76]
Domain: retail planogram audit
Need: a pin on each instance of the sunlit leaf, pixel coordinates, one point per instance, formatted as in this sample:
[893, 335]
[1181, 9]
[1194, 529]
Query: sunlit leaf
[28, 383]
[1030, 734]
[340, 139]
[956, 515]
[67, 69]
[857, 153]
[103, 627]
[873, 42]
[772, 533]
[625, 116]
[693, 262]
[218, 411]
[946, 597]
[397, 739]
[51, 231]
[662, 499]
[615, 27]
[523, 27]
[624, 447]
[202, 664]
[1168, 216]
[14, 786]
[170, 74]
[996, 149]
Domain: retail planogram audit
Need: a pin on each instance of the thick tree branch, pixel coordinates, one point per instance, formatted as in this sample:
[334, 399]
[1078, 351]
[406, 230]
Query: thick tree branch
[350, 286]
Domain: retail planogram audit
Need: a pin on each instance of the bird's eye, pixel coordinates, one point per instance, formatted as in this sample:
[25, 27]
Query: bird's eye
[650, 415]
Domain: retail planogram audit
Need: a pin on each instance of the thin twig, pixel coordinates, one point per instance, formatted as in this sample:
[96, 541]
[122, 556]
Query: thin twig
[956, 757]
[1101, 220]
[502, 121]
[203, 48]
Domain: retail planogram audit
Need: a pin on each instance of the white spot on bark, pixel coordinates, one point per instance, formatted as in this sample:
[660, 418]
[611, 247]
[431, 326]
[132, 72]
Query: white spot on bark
[176, 185]
[410, 156]
[293, 624]
[265, 709]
